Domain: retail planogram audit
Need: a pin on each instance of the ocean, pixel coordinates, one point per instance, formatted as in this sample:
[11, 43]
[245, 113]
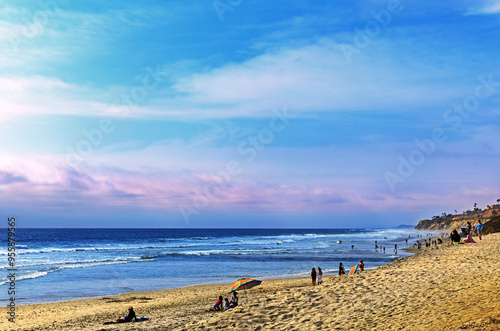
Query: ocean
[64, 264]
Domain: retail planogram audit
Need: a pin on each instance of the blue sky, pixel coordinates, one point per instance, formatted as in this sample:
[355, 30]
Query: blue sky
[234, 113]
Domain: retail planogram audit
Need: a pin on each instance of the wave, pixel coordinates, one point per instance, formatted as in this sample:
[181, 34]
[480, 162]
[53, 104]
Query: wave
[95, 249]
[226, 252]
[28, 275]
[73, 262]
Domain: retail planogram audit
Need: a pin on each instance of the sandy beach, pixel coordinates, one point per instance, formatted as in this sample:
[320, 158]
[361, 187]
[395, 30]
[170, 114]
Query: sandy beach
[450, 288]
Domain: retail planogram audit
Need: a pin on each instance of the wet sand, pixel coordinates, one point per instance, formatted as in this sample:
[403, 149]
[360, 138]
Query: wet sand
[453, 287]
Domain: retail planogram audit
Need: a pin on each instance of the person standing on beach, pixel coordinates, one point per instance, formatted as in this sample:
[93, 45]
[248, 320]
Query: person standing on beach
[361, 265]
[320, 276]
[313, 276]
[468, 228]
[341, 269]
[479, 229]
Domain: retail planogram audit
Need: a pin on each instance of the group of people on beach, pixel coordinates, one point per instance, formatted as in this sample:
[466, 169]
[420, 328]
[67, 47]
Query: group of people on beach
[469, 232]
[318, 276]
[226, 305]
[361, 267]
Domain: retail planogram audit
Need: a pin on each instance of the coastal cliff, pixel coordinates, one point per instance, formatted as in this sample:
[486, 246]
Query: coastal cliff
[489, 217]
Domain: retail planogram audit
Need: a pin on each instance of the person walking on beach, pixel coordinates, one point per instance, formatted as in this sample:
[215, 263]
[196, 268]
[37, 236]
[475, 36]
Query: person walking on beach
[320, 276]
[479, 229]
[313, 276]
[341, 269]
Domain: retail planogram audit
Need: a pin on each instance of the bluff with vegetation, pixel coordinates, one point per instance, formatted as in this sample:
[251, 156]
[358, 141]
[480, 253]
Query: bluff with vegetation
[489, 217]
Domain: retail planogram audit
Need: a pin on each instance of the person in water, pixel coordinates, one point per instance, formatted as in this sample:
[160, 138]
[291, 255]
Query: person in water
[129, 318]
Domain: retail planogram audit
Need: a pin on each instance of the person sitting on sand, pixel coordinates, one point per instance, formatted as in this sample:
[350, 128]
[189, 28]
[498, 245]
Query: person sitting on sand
[218, 304]
[454, 236]
[131, 316]
[341, 269]
[227, 306]
[469, 240]
[361, 265]
[313, 276]
[234, 300]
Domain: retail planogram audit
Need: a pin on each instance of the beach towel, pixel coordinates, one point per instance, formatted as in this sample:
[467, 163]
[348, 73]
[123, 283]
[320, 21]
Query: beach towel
[353, 270]
[134, 320]
[469, 240]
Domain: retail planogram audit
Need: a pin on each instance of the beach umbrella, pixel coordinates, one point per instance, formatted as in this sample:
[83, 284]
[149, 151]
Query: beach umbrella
[353, 270]
[244, 284]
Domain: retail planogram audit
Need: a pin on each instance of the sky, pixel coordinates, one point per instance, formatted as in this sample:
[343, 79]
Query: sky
[237, 113]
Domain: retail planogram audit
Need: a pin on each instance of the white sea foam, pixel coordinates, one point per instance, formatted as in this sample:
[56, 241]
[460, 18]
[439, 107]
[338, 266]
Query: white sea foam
[27, 275]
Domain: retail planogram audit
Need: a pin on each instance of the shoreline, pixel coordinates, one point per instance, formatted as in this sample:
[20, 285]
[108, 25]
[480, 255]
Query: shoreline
[449, 291]
[76, 281]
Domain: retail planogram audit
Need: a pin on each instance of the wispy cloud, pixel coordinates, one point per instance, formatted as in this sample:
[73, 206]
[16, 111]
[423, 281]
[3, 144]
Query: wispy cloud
[312, 78]
[38, 95]
[485, 7]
